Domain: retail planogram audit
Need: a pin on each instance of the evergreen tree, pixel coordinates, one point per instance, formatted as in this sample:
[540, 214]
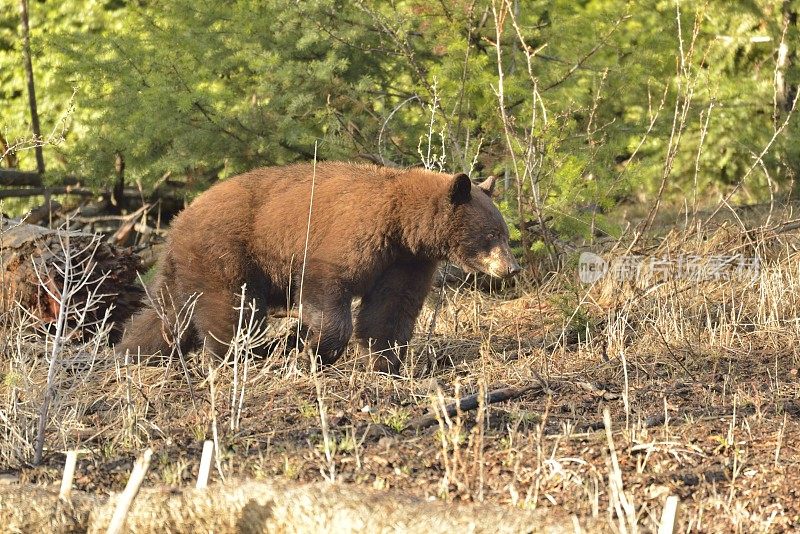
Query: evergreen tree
[206, 90]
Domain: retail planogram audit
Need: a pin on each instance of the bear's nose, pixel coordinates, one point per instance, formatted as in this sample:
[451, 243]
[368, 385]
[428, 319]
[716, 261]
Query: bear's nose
[512, 266]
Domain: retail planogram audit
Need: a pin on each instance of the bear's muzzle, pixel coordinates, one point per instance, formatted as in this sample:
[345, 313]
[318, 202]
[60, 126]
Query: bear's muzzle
[500, 262]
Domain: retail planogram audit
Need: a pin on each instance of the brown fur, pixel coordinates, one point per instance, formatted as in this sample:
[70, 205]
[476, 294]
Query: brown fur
[375, 233]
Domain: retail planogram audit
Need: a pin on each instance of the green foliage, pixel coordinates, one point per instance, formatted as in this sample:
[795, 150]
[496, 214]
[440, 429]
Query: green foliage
[396, 419]
[205, 90]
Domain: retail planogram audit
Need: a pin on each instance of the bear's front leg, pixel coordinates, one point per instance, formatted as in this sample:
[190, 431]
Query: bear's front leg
[389, 310]
[330, 324]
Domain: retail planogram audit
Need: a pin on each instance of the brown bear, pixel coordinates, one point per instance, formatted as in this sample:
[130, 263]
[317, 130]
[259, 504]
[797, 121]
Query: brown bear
[323, 235]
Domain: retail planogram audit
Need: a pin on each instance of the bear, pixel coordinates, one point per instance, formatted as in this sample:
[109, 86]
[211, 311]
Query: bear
[323, 234]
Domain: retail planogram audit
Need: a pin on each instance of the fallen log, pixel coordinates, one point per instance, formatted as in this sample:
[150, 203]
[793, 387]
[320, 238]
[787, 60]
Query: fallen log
[471, 402]
[16, 177]
[274, 506]
[44, 213]
[374, 431]
[171, 199]
[21, 192]
[32, 260]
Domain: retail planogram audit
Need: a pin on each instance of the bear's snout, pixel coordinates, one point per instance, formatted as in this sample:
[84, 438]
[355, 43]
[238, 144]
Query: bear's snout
[500, 262]
[511, 265]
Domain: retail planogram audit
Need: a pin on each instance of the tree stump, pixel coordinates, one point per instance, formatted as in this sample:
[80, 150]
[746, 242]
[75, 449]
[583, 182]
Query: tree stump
[32, 260]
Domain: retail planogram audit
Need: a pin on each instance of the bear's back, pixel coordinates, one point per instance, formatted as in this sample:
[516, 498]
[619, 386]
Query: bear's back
[322, 174]
[350, 209]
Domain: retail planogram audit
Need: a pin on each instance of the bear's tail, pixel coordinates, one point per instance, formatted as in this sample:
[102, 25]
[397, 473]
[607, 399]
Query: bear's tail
[144, 332]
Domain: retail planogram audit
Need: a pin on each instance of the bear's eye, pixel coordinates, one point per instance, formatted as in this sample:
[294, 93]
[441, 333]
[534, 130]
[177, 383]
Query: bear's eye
[490, 236]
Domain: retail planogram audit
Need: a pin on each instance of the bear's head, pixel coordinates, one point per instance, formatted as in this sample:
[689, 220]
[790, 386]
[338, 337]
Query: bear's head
[478, 238]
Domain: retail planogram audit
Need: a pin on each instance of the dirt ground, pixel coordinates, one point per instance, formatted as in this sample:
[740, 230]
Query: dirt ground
[699, 378]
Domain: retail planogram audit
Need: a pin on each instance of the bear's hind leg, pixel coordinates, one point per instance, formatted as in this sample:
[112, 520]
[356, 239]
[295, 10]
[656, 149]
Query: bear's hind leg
[388, 312]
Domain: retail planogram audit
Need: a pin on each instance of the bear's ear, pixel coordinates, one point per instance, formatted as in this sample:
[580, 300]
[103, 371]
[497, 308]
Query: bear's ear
[460, 189]
[487, 186]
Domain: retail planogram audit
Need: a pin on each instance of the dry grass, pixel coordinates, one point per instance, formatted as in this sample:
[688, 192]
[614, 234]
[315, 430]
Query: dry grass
[700, 379]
